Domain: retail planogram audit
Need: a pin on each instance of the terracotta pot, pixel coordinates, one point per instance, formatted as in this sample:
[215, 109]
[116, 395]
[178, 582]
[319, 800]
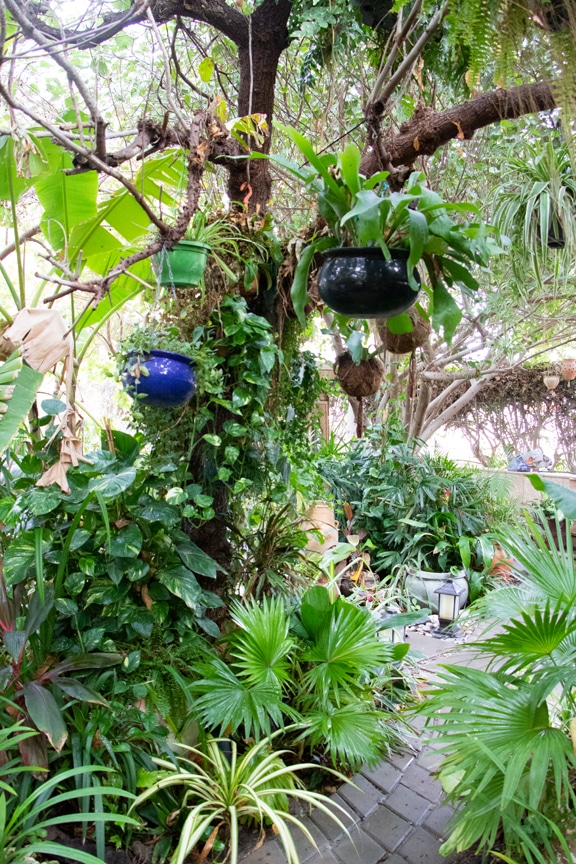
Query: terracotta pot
[501, 564]
[320, 517]
[568, 369]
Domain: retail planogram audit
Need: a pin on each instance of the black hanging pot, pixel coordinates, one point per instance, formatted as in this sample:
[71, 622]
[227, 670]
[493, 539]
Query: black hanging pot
[361, 283]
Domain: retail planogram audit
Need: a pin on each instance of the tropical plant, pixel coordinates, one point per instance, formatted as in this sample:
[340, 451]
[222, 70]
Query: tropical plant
[33, 673]
[270, 553]
[143, 339]
[112, 549]
[319, 667]
[508, 733]
[361, 211]
[536, 206]
[417, 510]
[27, 812]
[224, 789]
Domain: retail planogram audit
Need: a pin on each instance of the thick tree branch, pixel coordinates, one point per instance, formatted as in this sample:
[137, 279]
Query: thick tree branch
[94, 36]
[427, 131]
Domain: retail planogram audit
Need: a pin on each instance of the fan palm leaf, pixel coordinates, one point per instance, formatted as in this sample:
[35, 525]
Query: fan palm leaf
[353, 734]
[261, 647]
[532, 639]
[344, 651]
[225, 701]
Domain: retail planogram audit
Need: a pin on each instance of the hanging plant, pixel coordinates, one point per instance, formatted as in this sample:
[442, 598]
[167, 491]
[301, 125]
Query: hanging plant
[156, 368]
[402, 230]
[405, 343]
[359, 379]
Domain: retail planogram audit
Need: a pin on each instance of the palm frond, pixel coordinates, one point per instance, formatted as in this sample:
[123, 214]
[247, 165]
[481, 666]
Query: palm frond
[531, 638]
[261, 647]
[224, 701]
[353, 734]
[344, 651]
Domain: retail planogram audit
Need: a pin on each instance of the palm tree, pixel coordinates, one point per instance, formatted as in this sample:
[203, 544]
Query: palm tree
[507, 732]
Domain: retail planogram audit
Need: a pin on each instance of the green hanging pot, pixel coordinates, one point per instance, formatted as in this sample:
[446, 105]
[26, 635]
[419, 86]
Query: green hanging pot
[182, 265]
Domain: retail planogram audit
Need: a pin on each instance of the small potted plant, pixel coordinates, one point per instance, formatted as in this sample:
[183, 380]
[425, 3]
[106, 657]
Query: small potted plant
[220, 239]
[156, 367]
[375, 240]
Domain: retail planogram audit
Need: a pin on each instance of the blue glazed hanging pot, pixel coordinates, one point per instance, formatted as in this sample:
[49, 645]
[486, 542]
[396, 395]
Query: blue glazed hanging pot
[160, 379]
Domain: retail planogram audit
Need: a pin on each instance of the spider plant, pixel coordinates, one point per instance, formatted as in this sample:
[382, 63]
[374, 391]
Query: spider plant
[536, 206]
[224, 791]
[226, 242]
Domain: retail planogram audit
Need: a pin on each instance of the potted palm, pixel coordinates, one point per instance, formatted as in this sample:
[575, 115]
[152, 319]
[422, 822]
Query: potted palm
[156, 367]
[375, 241]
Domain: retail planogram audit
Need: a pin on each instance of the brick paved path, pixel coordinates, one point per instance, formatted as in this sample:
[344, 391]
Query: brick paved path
[396, 816]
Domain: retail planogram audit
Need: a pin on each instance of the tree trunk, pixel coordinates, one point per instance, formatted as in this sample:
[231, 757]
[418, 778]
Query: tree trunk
[259, 51]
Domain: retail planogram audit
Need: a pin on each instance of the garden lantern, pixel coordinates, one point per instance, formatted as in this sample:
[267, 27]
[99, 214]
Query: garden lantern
[448, 604]
[389, 632]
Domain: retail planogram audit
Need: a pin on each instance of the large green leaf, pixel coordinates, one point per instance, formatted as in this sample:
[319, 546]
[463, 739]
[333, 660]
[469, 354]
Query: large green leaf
[39, 608]
[261, 646]
[85, 661]
[45, 714]
[299, 290]
[418, 235]
[446, 313]
[21, 555]
[12, 184]
[564, 498]
[181, 582]
[19, 404]
[349, 164]
[123, 289]
[76, 690]
[127, 543]
[112, 485]
[68, 200]
[225, 701]
[196, 559]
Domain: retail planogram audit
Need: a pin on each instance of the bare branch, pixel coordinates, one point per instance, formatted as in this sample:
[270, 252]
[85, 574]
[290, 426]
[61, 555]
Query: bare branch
[382, 90]
[93, 37]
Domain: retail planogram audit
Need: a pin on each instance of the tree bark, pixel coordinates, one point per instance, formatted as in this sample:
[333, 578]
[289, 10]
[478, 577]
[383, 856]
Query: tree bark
[261, 38]
[428, 130]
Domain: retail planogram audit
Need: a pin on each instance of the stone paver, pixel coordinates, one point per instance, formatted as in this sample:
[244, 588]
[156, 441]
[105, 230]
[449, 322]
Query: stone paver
[418, 778]
[360, 848]
[303, 845]
[387, 827]
[408, 803]
[330, 829]
[421, 847]
[363, 795]
[396, 815]
[385, 776]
